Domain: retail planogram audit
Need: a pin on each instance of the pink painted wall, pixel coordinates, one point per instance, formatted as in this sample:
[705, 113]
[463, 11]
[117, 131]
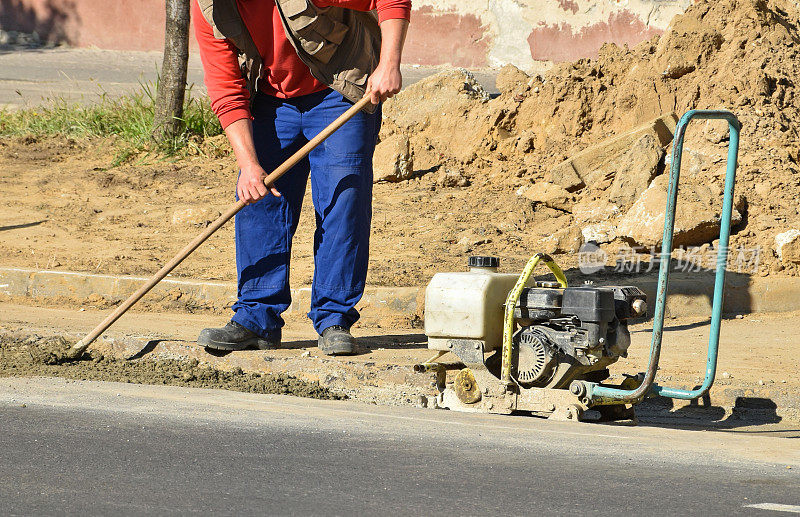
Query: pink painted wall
[560, 42]
[106, 24]
[460, 36]
[437, 37]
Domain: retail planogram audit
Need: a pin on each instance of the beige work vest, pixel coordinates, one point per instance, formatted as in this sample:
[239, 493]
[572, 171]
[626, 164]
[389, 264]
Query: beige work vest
[340, 46]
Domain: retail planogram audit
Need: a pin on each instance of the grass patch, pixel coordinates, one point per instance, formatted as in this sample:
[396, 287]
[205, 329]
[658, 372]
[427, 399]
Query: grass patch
[128, 117]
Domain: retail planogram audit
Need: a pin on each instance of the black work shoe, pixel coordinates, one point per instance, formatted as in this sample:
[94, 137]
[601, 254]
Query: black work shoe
[236, 337]
[336, 340]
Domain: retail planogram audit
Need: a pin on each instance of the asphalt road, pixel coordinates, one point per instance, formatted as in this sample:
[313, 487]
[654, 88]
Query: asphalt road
[31, 76]
[107, 448]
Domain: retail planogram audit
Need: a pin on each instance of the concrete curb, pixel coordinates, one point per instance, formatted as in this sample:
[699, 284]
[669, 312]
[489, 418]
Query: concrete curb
[176, 293]
[689, 294]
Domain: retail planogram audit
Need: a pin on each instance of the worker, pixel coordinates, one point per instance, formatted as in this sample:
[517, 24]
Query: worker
[308, 61]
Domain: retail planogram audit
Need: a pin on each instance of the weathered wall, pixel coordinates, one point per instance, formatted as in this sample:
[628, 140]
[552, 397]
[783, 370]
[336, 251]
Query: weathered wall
[106, 24]
[475, 33]
[496, 32]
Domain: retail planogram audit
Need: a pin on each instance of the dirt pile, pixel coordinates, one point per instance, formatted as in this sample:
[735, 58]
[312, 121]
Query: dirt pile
[45, 356]
[740, 55]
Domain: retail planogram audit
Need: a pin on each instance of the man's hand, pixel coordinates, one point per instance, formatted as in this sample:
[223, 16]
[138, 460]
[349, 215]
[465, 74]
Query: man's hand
[251, 187]
[384, 82]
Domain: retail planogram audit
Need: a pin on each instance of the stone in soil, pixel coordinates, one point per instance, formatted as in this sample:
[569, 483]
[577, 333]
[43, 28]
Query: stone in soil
[697, 216]
[549, 194]
[634, 170]
[392, 161]
[787, 246]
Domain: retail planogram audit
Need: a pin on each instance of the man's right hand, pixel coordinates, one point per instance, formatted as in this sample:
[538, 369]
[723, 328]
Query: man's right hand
[250, 186]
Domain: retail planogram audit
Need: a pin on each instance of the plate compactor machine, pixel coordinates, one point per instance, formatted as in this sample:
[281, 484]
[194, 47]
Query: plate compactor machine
[525, 357]
[545, 347]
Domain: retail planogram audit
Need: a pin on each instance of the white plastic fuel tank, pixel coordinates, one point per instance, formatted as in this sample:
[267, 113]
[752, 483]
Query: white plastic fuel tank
[468, 305]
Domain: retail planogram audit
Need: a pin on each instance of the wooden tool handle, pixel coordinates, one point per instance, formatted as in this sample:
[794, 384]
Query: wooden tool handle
[81, 346]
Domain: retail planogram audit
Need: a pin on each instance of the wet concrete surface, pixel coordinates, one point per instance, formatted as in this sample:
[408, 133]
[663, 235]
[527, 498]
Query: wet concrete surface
[49, 356]
[101, 448]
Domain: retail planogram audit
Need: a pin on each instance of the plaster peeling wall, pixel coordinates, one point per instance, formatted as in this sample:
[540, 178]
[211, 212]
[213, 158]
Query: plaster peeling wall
[508, 26]
[527, 32]
[470, 33]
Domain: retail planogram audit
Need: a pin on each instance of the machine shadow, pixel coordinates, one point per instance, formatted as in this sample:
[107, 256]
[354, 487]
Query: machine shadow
[690, 292]
[701, 415]
[393, 341]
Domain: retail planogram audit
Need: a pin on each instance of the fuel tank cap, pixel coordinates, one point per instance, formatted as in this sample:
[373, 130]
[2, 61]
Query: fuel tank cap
[483, 261]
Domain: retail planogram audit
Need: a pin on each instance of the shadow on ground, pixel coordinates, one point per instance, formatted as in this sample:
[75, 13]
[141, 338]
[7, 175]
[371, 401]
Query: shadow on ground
[21, 226]
[53, 21]
[701, 414]
[364, 345]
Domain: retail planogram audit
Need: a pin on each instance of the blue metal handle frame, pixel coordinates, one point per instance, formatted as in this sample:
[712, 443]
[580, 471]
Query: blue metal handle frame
[594, 394]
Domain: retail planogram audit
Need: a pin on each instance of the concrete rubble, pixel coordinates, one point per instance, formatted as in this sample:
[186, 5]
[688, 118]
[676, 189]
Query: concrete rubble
[787, 246]
[393, 161]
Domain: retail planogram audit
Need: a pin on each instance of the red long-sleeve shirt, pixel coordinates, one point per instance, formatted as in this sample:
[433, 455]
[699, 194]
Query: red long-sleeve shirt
[284, 74]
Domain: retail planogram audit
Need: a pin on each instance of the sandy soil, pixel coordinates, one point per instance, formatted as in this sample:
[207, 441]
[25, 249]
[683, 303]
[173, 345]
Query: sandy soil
[62, 207]
[474, 156]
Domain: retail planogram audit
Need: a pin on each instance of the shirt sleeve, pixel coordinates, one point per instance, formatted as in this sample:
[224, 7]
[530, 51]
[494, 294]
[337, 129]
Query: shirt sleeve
[222, 76]
[387, 9]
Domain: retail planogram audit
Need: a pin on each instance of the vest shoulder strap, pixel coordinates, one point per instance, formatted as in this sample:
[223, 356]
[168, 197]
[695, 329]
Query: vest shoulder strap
[227, 22]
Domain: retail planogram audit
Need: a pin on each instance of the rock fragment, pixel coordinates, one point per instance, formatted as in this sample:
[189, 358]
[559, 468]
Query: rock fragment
[194, 216]
[566, 175]
[549, 194]
[634, 170]
[787, 246]
[697, 216]
[565, 240]
[586, 167]
[451, 178]
[599, 233]
[392, 161]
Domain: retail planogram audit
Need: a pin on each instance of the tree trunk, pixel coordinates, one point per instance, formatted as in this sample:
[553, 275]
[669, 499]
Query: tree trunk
[167, 123]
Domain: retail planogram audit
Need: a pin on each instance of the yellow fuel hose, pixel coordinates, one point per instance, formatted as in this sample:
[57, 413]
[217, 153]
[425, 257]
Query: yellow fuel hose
[511, 303]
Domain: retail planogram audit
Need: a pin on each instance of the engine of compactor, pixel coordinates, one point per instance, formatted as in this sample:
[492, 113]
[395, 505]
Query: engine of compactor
[571, 333]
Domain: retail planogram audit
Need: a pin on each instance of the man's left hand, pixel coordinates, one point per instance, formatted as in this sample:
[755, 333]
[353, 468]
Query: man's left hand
[384, 82]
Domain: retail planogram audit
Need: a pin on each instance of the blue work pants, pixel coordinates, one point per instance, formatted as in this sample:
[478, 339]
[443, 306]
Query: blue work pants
[341, 188]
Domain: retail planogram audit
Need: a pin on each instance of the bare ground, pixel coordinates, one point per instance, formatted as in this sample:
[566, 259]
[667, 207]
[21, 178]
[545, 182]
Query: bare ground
[63, 207]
